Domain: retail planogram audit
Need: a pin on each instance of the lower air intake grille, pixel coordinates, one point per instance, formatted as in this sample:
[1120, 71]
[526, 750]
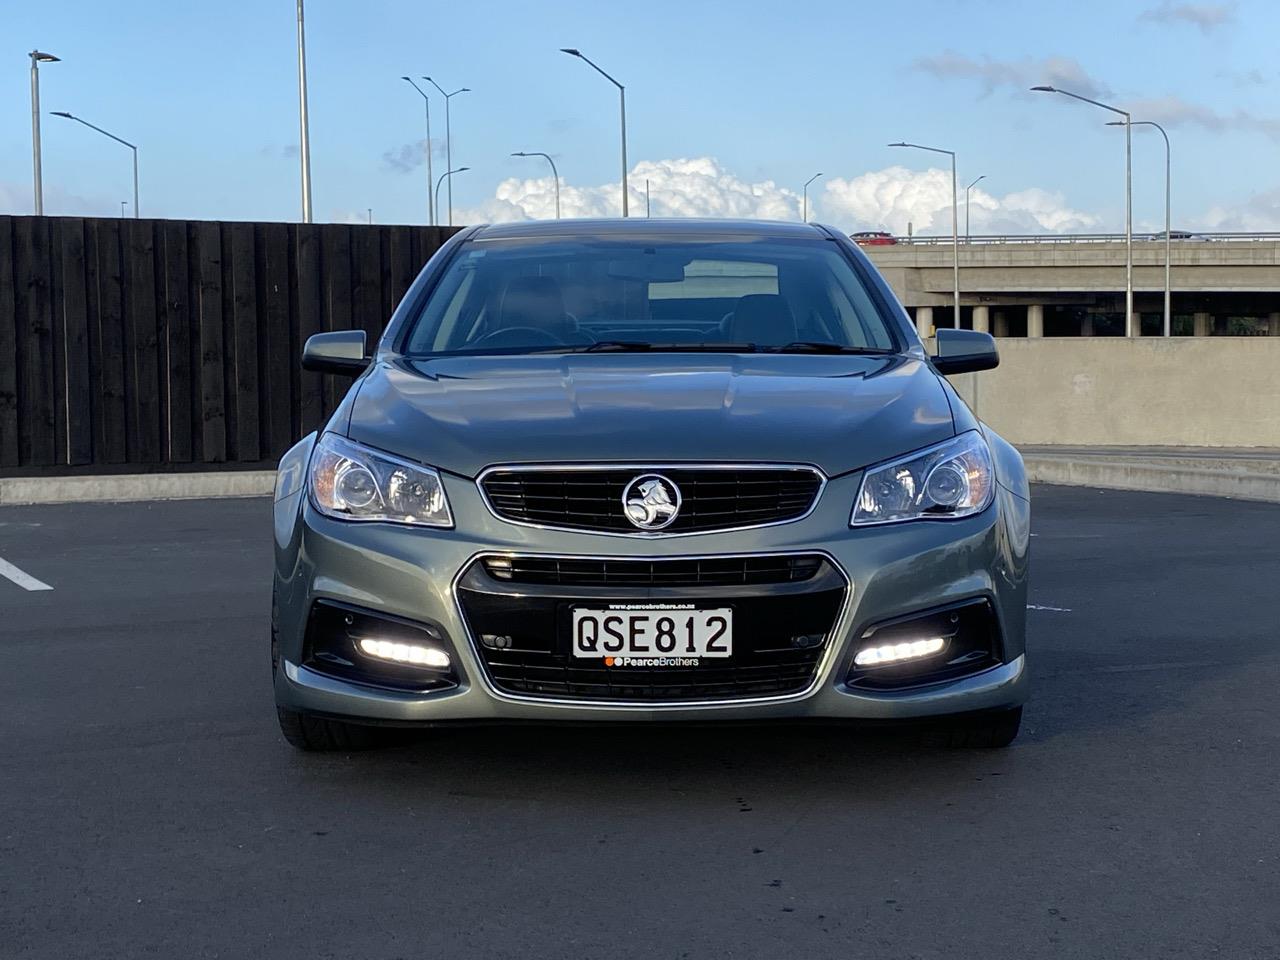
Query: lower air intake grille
[519, 611]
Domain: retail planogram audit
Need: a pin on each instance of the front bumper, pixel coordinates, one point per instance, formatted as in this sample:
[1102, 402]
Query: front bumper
[891, 572]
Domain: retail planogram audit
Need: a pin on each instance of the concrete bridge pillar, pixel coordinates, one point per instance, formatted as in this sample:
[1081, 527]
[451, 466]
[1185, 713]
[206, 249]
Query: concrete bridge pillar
[1273, 324]
[999, 324]
[924, 322]
[1035, 320]
[1203, 324]
[982, 319]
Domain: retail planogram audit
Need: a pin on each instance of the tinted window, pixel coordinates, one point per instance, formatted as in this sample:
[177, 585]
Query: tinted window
[570, 293]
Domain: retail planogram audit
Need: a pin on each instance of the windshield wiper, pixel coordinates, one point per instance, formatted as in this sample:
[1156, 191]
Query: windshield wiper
[614, 346]
[821, 346]
[643, 346]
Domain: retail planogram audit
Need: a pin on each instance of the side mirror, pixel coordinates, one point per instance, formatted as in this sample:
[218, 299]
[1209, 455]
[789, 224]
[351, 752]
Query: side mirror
[964, 351]
[340, 352]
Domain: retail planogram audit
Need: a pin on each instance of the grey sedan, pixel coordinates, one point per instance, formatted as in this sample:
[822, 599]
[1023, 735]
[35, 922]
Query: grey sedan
[642, 470]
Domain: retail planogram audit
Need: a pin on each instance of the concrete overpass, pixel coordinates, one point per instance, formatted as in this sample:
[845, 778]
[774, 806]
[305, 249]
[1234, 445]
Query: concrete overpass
[1223, 284]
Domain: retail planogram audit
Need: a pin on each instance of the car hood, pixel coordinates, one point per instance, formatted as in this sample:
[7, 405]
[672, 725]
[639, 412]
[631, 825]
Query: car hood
[838, 412]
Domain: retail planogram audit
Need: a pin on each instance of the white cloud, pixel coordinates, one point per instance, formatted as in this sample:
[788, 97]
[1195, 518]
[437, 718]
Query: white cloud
[1244, 78]
[274, 151]
[1261, 212]
[1173, 111]
[18, 199]
[701, 187]
[1206, 16]
[410, 156]
[1018, 75]
[696, 187]
[891, 198]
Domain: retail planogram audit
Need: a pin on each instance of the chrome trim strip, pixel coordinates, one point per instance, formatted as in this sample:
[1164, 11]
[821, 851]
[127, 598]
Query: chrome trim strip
[648, 468]
[820, 673]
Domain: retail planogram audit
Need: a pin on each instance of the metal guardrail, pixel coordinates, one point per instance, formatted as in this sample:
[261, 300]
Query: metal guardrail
[1179, 236]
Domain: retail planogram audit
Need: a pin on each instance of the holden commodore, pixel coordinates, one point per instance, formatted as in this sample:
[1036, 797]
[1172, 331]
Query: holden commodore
[649, 471]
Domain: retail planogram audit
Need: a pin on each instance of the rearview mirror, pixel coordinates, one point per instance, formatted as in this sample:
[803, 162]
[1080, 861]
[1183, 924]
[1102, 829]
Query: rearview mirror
[340, 352]
[647, 269]
[964, 351]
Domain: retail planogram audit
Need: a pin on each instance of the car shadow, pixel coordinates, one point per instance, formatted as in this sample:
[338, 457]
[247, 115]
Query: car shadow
[792, 763]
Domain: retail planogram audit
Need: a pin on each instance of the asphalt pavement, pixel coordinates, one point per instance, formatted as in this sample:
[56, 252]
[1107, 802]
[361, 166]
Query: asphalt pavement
[149, 807]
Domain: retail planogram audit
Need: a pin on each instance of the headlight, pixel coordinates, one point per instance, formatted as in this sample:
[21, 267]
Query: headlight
[954, 479]
[352, 482]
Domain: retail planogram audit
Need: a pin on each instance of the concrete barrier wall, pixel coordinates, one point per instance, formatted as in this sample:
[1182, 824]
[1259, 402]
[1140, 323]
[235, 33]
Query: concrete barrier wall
[1198, 392]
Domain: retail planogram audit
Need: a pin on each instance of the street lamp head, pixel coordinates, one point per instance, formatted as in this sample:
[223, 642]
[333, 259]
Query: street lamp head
[463, 90]
[1045, 89]
[406, 78]
[900, 144]
[519, 153]
[61, 113]
[460, 169]
[571, 51]
[44, 57]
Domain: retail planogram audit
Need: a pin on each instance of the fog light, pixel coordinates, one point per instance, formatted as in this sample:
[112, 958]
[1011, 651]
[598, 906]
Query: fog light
[897, 652]
[405, 653]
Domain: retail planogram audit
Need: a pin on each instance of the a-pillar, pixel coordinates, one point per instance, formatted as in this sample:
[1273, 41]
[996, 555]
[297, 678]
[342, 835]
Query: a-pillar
[1273, 324]
[999, 324]
[1203, 324]
[982, 319]
[924, 322]
[1035, 320]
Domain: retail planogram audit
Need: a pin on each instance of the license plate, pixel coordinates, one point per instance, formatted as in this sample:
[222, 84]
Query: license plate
[652, 635]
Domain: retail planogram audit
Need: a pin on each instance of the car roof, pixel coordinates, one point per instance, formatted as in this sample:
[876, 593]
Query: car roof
[646, 227]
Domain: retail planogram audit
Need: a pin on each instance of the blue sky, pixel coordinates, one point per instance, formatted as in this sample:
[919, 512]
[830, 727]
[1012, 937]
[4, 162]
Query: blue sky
[761, 95]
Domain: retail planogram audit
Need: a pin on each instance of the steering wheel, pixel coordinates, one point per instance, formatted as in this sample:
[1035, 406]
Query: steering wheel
[519, 337]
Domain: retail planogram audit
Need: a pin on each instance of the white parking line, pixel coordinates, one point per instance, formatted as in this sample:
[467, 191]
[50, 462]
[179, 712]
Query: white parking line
[24, 580]
[1036, 606]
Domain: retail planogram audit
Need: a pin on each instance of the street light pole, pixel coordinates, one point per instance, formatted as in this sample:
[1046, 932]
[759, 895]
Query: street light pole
[447, 175]
[966, 206]
[431, 206]
[1168, 321]
[304, 123]
[554, 174]
[1128, 199]
[448, 142]
[955, 223]
[69, 116]
[37, 58]
[622, 102]
[804, 214]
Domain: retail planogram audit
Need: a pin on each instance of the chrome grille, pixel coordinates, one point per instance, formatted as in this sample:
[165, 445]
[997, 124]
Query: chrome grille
[714, 498]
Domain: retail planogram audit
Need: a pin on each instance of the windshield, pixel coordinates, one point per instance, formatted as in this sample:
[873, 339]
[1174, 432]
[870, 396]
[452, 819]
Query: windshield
[586, 294]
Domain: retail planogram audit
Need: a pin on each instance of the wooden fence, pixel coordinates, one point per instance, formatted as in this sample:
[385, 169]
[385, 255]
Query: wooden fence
[168, 344]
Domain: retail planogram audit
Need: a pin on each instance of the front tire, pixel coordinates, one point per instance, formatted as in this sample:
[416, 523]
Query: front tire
[321, 735]
[316, 734]
[993, 730]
